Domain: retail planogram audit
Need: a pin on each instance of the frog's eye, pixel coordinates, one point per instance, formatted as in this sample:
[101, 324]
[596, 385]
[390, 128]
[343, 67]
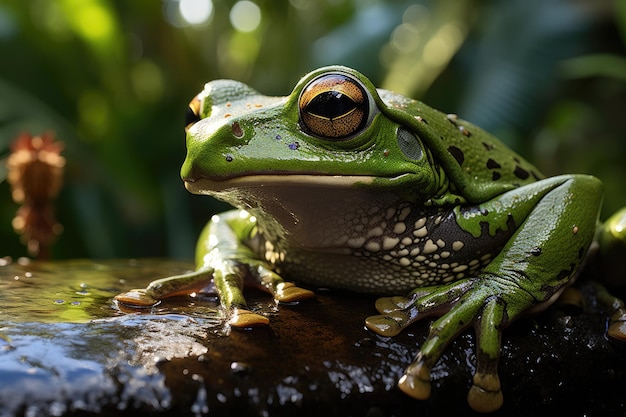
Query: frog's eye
[334, 106]
[193, 113]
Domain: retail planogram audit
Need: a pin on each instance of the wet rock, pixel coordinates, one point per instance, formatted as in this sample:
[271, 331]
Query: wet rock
[65, 350]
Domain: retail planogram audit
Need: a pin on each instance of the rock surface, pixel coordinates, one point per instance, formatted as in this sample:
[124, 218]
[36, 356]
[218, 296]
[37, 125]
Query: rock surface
[66, 350]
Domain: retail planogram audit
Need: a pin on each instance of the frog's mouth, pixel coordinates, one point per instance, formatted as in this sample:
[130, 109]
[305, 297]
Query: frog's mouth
[205, 185]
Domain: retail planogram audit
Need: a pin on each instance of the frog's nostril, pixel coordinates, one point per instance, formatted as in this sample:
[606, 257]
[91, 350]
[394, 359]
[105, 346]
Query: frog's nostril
[189, 173]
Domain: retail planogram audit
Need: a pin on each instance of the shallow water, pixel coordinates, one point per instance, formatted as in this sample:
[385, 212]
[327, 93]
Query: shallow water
[66, 347]
[79, 291]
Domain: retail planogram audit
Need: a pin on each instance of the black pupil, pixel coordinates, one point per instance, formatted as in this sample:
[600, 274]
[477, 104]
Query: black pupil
[330, 105]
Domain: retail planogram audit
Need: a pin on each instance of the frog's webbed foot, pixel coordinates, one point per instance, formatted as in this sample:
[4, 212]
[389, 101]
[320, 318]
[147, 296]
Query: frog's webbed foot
[460, 305]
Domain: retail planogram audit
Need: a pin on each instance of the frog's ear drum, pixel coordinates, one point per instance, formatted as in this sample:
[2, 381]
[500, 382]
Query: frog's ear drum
[193, 113]
[334, 107]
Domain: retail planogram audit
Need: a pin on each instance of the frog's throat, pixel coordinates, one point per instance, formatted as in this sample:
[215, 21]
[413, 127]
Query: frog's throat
[203, 185]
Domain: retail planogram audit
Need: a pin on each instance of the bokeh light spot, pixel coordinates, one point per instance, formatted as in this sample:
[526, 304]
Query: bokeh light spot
[195, 12]
[245, 16]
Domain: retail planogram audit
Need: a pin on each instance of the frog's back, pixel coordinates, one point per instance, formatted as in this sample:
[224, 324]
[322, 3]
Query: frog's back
[477, 163]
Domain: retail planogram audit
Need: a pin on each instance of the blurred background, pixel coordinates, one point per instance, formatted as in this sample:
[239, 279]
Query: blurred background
[112, 80]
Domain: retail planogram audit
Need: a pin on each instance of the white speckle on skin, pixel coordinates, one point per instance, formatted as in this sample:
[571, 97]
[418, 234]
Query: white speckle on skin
[429, 247]
[374, 232]
[399, 228]
[422, 232]
[420, 223]
[457, 245]
[390, 242]
[441, 243]
[405, 261]
[460, 268]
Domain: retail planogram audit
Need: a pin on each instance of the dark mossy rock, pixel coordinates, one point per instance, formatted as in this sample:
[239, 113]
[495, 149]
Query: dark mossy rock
[65, 350]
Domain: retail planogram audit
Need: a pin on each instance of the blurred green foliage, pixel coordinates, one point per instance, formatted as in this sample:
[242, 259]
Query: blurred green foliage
[113, 78]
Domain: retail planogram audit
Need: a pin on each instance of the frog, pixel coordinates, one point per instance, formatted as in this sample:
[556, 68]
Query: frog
[343, 185]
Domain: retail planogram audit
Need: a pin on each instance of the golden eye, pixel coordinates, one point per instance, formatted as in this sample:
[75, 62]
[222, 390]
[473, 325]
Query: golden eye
[334, 106]
[193, 113]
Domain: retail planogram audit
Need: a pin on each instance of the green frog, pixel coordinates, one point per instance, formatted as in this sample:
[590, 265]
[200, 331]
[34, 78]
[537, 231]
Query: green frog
[343, 185]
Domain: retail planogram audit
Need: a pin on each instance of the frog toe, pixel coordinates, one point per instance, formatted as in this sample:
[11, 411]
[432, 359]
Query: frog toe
[459, 306]
[399, 312]
[287, 292]
[416, 381]
[485, 395]
[243, 318]
[387, 324]
[136, 298]
[385, 305]
[617, 328]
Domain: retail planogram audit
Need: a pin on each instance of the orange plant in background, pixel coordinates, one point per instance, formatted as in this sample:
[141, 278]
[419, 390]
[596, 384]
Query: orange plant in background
[35, 173]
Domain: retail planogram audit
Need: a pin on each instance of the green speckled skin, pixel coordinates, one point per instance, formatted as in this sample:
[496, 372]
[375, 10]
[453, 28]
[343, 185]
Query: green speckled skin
[342, 185]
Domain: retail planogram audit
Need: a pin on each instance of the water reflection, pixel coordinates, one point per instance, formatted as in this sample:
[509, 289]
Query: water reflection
[73, 291]
[62, 337]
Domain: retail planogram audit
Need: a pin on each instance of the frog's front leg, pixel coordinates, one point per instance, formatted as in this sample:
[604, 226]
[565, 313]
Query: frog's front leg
[555, 221]
[223, 256]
